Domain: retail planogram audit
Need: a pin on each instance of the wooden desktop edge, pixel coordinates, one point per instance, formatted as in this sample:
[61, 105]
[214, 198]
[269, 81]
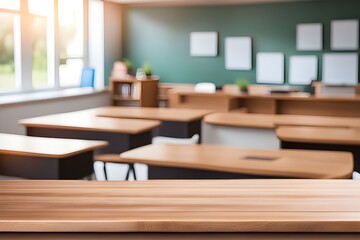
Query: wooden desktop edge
[101, 144]
[116, 158]
[281, 133]
[199, 114]
[211, 119]
[155, 124]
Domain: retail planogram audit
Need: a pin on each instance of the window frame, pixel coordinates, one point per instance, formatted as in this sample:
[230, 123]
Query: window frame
[23, 72]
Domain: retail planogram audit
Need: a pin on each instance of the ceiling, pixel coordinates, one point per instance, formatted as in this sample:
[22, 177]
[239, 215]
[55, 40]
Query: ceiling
[194, 2]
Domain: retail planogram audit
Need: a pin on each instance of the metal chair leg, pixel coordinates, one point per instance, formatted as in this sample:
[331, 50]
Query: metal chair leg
[128, 173]
[133, 170]
[105, 175]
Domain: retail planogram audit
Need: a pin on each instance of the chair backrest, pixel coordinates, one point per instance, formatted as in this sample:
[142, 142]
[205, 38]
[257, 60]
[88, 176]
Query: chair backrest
[99, 171]
[356, 176]
[167, 140]
[205, 87]
[87, 77]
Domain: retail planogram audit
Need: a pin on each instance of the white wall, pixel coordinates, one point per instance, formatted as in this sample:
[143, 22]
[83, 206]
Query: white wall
[10, 114]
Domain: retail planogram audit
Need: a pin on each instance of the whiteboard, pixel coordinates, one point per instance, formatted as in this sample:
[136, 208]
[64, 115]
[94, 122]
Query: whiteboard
[345, 35]
[309, 37]
[340, 69]
[203, 44]
[270, 68]
[238, 53]
[303, 69]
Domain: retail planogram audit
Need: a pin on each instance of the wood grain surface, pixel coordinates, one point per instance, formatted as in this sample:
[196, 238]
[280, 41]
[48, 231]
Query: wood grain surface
[181, 206]
[340, 136]
[45, 147]
[274, 120]
[162, 114]
[88, 121]
[275, 163]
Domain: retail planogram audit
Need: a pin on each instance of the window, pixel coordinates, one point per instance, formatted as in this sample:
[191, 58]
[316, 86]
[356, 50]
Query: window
[41, 27]
[44, 43]
[7, 52]
[71, 40]
[10, 4]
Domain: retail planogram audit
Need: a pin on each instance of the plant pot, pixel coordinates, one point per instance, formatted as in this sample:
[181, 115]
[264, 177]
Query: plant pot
[244, 91]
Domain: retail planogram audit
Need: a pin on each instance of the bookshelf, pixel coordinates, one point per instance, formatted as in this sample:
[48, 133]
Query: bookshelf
[129, 89]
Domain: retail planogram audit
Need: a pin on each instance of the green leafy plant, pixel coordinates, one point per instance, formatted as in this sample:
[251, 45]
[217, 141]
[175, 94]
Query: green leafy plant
[128, 65]
[243, 84]
[147, 69]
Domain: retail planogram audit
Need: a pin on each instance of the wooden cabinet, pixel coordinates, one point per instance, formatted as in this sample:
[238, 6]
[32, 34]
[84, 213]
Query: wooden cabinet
[129, 89]
[292, 103]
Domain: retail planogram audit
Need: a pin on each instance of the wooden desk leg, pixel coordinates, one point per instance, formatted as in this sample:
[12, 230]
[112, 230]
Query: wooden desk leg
[355, 150]
[180, 129]
[74, 167]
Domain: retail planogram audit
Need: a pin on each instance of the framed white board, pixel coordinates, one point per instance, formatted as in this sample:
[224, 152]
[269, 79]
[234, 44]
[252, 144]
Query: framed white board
[303, 69]
[204, 44]
[309, 37]
[340, 69]
[345, 34]
[270, 68]
[238, 53]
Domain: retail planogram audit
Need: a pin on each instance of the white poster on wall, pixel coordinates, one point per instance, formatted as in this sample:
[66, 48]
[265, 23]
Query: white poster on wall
[238, 53]
[204, 44]
[340, 69]
[303, 69]
[345, 34]
[270, 68]
[309, 37]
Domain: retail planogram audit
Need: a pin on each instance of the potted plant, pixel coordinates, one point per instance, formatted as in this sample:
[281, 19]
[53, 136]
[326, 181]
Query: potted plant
[129, 66]
[147, 69]
[243, 85]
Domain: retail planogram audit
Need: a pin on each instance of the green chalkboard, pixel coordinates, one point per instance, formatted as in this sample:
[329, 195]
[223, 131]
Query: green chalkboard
[161, 36]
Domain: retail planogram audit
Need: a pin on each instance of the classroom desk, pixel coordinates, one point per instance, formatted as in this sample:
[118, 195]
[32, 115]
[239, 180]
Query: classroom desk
[294, 103]
[332, 139]
[214, 209]
[220, 162]
[46, 158]
[258, 130]
[122, 134]
[180, 123]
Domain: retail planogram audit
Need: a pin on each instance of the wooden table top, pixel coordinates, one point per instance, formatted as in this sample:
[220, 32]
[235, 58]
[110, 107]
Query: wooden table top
[45, 147]
[275, 163]
[161, 114]
[88, 121]
[273, 120]
[340, 136]
[180, 206]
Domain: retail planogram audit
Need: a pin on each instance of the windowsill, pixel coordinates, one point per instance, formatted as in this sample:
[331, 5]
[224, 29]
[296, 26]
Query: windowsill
[47, 95]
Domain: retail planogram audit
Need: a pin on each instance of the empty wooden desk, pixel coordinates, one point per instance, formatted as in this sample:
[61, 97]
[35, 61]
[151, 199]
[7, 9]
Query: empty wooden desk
[258, 130]
[335, 139]
[215, 209]
[220, 162]
[180, 123]
[122, 134]
[46, 158]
